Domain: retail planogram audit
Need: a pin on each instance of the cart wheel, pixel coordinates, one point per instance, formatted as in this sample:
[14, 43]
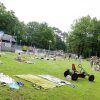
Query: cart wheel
[66, 72]
[91, 78]
[74, 76]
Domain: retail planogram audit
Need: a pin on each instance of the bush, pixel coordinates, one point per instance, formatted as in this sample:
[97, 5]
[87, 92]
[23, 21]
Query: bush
[24, 48]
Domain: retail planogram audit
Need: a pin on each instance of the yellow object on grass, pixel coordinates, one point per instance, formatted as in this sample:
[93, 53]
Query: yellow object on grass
[38, 81]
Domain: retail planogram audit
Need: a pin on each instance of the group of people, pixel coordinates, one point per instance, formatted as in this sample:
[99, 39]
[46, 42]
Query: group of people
[76, 57]
[95, 63]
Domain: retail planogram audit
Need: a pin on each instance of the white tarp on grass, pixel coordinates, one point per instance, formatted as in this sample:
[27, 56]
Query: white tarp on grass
[55, 80]
[6, 79]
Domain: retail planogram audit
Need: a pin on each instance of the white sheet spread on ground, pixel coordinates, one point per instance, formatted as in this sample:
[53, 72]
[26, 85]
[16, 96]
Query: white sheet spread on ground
[39, 81]
[6, 79]
[54, 79]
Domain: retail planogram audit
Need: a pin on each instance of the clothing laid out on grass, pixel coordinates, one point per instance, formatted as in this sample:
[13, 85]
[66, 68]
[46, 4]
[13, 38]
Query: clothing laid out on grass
[6, 80]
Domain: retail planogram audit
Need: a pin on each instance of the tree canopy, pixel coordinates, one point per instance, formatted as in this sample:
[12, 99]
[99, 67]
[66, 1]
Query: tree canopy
[33, 33]
[39, 34]
[83, 38]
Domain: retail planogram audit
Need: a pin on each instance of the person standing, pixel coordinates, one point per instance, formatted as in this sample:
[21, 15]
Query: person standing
[76, 57]
[80, 58]
[69, 57]
[91, 62]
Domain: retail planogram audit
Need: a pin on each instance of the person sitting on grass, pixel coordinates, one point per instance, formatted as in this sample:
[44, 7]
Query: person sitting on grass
[19, 58]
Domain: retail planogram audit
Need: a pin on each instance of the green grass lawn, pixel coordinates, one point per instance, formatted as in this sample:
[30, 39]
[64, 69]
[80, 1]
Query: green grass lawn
[85, 90]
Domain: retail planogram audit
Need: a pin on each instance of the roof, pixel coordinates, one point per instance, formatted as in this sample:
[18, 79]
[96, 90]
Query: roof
[8, 38]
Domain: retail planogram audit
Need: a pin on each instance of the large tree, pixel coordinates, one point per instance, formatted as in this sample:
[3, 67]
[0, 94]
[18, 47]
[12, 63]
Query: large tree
[60, 45]
[8, 20]
[40, 34]
[83, 39]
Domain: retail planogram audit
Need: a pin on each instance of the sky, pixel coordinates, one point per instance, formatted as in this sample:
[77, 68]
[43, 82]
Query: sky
[57, 13]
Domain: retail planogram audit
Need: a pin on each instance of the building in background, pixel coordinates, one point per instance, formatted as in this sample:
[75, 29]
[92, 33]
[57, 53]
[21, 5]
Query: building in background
[7, 42]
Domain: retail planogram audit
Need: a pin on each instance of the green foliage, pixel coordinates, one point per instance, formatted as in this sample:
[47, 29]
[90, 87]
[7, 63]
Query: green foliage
[10, 24]
[8, 20]
[24, 48]
[84, 36]
[60, 45]
[39, 34]
[34, 33]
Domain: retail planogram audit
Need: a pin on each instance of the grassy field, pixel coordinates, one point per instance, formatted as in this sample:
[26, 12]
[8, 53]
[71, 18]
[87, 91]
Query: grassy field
[84, 90]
